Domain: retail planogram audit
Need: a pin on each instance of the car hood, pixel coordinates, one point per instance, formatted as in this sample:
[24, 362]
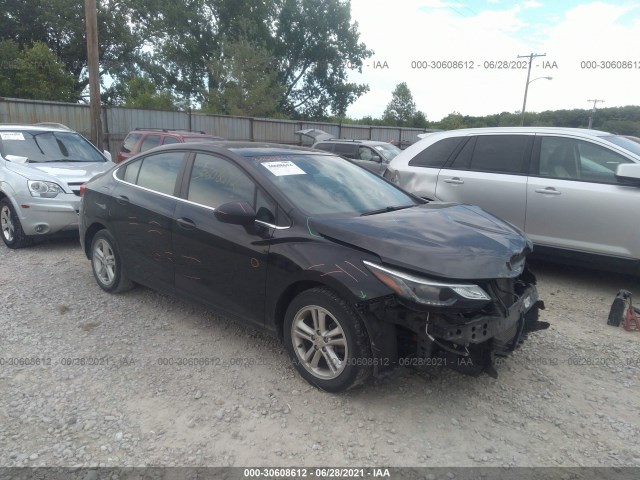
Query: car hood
[439, 239]
[71, 172]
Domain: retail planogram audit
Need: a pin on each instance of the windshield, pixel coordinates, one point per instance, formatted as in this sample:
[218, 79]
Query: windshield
[321, 185]
[388, 151]
[624, 142]
[39, 146]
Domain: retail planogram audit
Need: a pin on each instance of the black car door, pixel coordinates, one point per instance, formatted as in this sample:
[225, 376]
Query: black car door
[218, 263]
[142, 214]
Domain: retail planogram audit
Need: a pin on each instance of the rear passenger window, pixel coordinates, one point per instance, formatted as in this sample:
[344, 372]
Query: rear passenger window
[437, 154]
[499, 153]
[327, 147]
[131, 171]
[168, 140]
[345, 150]
[159, 172]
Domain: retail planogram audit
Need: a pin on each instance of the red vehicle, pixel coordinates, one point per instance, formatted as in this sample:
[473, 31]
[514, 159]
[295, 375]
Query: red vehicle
[142, 139]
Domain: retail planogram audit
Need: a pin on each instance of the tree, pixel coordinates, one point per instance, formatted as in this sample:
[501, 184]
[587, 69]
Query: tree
[419, 120]
[34, 73]
[310, 44]
[315, 41]
[60, 25]
[401, 109]
[247, 82]
[141, 92]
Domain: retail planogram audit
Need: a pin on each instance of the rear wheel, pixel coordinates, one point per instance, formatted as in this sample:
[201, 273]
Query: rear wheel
[106, 264]
[327, 340]
[12, 233]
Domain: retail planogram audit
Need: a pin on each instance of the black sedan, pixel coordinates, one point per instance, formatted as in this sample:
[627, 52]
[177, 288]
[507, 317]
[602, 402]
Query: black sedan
[354, 274]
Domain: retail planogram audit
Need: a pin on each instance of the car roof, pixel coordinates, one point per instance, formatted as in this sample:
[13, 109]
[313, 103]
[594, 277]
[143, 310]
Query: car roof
[353, 140]
[245, 149]
[496, 130]
[26, 127]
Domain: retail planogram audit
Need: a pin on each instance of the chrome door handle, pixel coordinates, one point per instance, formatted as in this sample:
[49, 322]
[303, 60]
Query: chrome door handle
[454, 180]
[122, 199]
[548, 191]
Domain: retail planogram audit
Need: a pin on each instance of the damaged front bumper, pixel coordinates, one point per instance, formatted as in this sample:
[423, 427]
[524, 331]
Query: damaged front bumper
[484, 327]
[467, 341]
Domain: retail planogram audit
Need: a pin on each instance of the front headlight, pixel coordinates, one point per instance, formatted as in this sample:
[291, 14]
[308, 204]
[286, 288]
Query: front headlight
[39, 188]
[429, 292]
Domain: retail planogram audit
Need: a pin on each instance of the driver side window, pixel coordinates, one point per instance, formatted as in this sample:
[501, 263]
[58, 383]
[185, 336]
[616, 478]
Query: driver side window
[215, 181]
[571, 159]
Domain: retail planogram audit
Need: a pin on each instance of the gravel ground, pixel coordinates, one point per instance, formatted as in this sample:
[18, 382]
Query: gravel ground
[568, 397]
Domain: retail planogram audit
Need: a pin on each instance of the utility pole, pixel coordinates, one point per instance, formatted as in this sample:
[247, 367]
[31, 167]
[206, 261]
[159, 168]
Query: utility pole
[91, 16]
[593, 111]
[531, 56]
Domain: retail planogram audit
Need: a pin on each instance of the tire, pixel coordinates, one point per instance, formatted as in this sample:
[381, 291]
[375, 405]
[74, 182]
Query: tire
[338, 360]
[11, 228]
[106, 264]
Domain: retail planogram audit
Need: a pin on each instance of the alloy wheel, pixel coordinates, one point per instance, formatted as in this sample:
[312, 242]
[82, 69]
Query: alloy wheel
[104, 262]
[6, 221]
[319, 342]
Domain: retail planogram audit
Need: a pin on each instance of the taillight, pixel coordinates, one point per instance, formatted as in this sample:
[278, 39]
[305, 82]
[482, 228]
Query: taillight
[83, 187]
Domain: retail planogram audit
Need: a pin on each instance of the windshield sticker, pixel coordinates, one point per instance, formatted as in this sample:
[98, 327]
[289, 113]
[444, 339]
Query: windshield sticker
[378, 147]
[11, 136]
[280, 169]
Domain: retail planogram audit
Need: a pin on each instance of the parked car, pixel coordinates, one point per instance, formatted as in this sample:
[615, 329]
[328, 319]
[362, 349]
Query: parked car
[370, 154]
[574, 192]
[143, 139]
[350, 271]
[41, 170]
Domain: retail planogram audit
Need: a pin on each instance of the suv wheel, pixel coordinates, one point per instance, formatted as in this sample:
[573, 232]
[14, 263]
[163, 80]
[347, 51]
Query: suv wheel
[12, 233]
[107, 265]
[327, 341]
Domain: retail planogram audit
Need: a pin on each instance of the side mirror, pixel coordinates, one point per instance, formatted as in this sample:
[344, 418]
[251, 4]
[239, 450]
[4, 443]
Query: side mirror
[628, 174]
[376, 158]
[107, 154]
[236, 213]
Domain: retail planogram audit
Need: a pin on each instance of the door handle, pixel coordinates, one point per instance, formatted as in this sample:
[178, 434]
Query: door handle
[122, 199]
[548, 191]
[186, 223]
[454, 180]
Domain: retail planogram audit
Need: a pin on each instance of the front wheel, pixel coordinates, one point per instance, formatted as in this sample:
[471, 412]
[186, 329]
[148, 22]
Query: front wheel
[12, 233]
[107, 264]
[327, 341]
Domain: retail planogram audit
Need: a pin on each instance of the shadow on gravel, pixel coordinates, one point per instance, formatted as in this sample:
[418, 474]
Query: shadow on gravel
[57, 240]
[583, 277]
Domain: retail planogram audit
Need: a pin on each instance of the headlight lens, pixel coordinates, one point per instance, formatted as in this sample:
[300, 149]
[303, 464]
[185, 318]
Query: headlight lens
[42, 189]
[429, 292]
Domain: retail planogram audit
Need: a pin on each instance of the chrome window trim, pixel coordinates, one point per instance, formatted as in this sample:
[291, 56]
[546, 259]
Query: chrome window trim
[113, 174]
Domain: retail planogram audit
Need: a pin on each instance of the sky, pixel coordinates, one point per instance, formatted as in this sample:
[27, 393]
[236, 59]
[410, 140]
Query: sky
[421, 42]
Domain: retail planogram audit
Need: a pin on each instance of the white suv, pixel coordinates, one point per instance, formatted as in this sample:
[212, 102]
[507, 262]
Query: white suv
[41, 170]
[574, 192]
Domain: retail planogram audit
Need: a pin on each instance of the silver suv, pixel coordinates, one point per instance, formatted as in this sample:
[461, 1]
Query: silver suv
[574, 192]
[41, 170]
[373, 155]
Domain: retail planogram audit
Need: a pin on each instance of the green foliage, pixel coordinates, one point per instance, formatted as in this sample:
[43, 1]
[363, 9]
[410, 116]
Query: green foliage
[247, 82]
[621, 120]
[401, 109]
[314, 42]
[60, 24]
[33, 72]
[141, 92]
